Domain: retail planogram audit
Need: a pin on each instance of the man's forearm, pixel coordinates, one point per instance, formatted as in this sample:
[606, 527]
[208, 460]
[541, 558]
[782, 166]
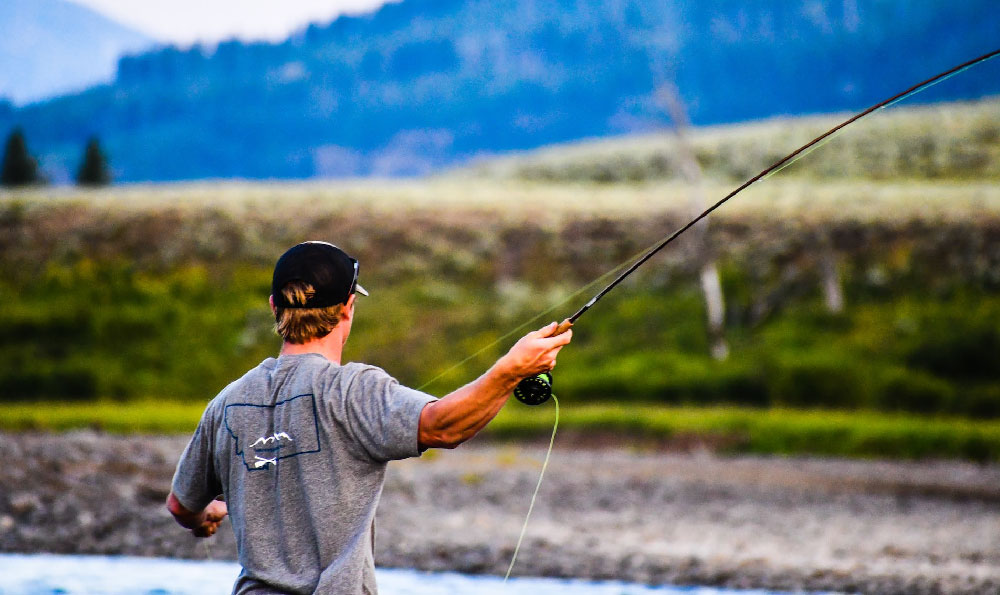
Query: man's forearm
[460, 415]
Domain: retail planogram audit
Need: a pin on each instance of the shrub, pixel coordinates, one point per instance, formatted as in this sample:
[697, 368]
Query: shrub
[980, 401]
[965, 347]
[68, 384]
[915, 391]
[818, 380]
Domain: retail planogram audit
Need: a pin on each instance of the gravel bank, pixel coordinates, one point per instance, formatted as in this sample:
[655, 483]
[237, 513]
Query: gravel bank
[633, 515]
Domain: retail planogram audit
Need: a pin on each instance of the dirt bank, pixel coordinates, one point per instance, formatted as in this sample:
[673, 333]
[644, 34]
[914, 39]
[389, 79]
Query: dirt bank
[647, 516]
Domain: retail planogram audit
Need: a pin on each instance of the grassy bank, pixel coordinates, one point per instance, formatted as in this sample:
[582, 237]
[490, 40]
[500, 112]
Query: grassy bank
[159, 292]
[772, 431]
[726, 429]
[108, 300]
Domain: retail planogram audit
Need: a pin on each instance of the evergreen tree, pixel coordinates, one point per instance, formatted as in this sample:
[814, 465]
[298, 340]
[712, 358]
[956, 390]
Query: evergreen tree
[94, 169]
[19, 168]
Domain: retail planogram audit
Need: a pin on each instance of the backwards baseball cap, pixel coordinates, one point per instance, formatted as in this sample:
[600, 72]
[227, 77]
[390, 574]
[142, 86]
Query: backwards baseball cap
[331, 272]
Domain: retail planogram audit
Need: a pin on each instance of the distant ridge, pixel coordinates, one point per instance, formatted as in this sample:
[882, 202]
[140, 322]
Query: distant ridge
[51, 47]
[426, 84]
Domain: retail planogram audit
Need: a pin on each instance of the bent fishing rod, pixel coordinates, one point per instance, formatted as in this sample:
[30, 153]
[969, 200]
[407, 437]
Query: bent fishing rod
[536, 390]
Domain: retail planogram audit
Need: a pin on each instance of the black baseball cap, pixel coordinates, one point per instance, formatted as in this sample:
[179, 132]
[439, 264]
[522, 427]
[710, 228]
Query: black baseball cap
[331, 272]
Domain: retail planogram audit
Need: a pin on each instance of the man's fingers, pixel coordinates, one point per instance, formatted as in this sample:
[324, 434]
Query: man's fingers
[557, 340]
[545, 331]
[206, 530]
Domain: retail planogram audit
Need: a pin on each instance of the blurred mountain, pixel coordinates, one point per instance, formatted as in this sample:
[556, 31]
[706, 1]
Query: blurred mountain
[424, 84]
[51, 47]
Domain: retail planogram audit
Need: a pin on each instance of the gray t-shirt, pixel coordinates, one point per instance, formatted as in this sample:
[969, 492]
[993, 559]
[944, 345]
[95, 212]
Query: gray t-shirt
[298, 446]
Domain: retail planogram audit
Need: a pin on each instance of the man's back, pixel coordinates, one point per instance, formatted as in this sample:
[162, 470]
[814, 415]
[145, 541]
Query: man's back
[298, 447]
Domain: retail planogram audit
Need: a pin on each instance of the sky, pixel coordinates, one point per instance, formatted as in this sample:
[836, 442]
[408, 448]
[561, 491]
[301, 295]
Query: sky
[185, 22]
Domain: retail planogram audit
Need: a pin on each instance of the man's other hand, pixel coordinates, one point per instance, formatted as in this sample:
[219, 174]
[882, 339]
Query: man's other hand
[202, 524]
[214, 513]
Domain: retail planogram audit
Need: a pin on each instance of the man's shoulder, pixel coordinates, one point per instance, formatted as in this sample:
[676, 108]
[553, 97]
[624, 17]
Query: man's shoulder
[358, 368]
[252, 376]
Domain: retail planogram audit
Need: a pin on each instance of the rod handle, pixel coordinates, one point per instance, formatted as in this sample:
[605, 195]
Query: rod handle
[562, 328]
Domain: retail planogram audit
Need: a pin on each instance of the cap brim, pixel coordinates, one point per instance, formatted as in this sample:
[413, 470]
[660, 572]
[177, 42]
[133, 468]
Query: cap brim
[361, 290]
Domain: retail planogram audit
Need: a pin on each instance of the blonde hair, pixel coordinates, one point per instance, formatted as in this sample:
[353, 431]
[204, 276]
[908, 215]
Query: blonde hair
[301, 325]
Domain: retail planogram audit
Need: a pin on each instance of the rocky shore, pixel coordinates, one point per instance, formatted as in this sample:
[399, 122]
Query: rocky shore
[649, 516]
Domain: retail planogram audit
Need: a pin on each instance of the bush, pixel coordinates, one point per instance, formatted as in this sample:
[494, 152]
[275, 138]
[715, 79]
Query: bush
[818, 380]
[66, 384]
[914, 391]
[961, 348]
[980, 401]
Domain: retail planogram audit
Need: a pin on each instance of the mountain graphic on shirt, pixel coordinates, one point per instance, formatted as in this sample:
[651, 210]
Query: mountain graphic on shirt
[263, 435]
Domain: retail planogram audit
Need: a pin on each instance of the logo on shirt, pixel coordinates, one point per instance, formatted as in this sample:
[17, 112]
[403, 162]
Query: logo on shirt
[266, 434]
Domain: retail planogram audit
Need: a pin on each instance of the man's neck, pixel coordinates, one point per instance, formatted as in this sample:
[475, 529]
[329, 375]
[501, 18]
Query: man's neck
[331, 347]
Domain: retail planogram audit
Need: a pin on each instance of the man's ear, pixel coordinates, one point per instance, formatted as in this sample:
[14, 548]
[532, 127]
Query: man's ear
[349, 306]
[270, 300]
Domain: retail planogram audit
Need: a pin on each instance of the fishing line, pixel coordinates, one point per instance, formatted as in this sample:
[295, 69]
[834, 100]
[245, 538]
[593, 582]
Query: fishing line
[534, 319]
[538, 485]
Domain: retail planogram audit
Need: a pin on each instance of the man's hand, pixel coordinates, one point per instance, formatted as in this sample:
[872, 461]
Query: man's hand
[535, 352]
[202, 524]
[212, 517]
[455, 418]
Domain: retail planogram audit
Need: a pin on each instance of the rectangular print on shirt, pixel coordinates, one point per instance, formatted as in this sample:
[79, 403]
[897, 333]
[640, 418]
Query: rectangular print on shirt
[265, 434]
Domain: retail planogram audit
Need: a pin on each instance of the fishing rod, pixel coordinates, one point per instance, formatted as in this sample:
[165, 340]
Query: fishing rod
[536, 390]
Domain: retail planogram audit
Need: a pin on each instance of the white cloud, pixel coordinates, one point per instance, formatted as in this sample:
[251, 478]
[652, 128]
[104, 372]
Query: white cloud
[185, 22]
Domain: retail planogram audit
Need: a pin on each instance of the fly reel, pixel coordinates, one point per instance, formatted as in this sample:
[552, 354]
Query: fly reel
[534, 390]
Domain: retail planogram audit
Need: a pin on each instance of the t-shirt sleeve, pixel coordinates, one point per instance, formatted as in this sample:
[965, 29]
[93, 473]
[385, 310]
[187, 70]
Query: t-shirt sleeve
[196, 482]
[384, 416]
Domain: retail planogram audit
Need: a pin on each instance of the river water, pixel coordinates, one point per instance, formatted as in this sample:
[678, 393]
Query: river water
[46, 574]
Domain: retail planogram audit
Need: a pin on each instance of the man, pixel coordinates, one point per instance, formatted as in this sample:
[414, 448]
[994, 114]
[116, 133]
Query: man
[298, 446]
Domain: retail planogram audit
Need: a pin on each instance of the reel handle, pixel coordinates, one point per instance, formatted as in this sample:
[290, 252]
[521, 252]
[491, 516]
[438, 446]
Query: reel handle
[535, 390]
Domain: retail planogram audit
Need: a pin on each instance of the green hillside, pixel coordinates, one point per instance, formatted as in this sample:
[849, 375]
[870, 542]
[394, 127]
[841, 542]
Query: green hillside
[956, 141]
[141, 293]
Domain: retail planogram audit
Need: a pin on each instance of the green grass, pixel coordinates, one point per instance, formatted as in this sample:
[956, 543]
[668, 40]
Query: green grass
[764, 431]
[732, 429]
[135, 417]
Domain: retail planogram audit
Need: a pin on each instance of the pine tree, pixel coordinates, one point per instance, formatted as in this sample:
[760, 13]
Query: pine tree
[94, 169]
[19, 168]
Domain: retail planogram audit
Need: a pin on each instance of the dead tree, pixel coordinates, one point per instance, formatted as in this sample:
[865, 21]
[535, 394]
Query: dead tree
[711, 285]
[833, 289]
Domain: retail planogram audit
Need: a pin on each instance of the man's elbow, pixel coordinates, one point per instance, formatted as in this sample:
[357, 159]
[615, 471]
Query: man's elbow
[435, 434]
[173, 504]
[440, 439]
[181, 515]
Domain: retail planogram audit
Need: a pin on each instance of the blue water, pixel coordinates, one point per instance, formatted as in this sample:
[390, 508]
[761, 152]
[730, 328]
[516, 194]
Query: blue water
[44, 574]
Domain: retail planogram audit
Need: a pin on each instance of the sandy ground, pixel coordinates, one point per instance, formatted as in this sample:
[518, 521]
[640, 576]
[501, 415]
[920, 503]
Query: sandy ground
[615, 512]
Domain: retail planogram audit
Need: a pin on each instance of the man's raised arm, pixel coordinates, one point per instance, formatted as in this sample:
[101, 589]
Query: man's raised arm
[460, 415]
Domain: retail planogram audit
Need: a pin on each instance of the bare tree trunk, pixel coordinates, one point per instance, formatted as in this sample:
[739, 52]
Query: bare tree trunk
[711, 285]
[832, 287]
